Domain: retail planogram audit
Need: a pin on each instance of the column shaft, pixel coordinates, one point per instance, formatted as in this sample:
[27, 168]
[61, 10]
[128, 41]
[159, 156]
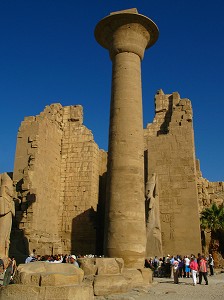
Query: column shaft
[126, 224]
[126, 34]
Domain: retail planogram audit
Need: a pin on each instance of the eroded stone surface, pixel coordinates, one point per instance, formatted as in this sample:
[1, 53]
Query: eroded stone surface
[25, 292]
[7, 210]
[169, 151]
[48, 274]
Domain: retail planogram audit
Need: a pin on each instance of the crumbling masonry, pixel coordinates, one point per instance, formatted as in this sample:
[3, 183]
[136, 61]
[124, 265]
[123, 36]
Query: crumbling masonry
[148, 192]
[60, 175]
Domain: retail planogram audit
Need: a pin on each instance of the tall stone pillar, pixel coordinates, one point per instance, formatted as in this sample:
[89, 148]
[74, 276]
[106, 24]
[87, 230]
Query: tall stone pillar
[126, 34]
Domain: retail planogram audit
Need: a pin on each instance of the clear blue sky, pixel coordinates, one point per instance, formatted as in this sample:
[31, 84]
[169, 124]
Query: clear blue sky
[48, 54]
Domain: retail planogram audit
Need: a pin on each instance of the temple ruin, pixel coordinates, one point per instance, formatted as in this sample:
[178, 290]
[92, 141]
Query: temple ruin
[72, 197]
[60, 178]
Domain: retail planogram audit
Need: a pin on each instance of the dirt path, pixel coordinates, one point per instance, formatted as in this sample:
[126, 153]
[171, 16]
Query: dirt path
[164, 288]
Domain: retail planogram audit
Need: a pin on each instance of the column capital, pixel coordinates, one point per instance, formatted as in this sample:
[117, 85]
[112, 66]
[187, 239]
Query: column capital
[126, 31]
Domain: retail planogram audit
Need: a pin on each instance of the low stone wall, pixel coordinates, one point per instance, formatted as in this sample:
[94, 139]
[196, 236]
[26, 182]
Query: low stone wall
[96, 276]
[24, 292]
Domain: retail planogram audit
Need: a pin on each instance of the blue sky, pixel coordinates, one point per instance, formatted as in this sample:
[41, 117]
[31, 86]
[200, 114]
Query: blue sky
[48, 54]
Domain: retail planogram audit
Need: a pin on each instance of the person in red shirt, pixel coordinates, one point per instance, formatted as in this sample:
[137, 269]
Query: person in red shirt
[203, 270]
[194, 269]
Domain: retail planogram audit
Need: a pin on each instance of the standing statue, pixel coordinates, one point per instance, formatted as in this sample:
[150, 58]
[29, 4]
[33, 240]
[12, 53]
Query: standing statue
[153, 227]
[7, 210]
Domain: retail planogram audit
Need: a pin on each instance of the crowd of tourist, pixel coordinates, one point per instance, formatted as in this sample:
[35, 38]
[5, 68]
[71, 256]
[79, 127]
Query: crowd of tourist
[59, 258]
[177, 267]
[8, 266]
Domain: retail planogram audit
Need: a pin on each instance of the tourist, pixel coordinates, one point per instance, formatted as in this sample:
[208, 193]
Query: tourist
[14, 267]
[8, 273]
[171, 266]
[2, 270]
[65, 259]
[175, 264]
[187, 268]
[211, 264]
[33, 253]
[167, 266]
[203, 270]
[161, 268]
[155, 264]
[57, 259]
[194, 269]
[199, 258]
[30, 258]
[74, 261]
[148, 263]
[180, 266]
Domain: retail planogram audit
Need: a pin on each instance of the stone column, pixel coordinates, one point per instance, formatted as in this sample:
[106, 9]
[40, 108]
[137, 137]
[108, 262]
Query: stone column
[126, 34]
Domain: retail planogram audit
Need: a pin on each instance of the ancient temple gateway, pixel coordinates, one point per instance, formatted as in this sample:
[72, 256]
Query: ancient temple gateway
[142, 198]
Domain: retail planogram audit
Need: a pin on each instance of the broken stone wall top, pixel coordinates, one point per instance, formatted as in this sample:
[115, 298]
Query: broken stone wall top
[56, 174]
[171, 133]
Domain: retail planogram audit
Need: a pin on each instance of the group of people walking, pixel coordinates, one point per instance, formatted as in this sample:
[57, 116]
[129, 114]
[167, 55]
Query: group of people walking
[177, 267]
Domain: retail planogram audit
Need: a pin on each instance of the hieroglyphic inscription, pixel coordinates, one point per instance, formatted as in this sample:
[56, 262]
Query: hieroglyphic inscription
[165, 217]
[169, 219]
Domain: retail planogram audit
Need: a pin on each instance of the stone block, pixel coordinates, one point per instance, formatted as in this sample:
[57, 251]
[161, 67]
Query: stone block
[88, 265]
[45, 273]
[109, 266]
[30, 279]
[19, 292]
[110, 284]
[77, 292]
[133, 277]
[22, 292]
[146, 275]
[52, 279]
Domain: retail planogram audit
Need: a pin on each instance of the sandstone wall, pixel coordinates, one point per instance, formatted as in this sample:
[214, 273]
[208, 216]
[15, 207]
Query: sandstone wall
[56, 174]
[208, 192]
[37, 178]
[80, 169]
[59, 169]
[170, 153]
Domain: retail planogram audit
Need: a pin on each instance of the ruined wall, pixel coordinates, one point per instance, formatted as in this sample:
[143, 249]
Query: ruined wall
[37, 179]
[56, 174]
[208, 192]
[59, 168]
[80, 169]
[170, 153]
[7, 210]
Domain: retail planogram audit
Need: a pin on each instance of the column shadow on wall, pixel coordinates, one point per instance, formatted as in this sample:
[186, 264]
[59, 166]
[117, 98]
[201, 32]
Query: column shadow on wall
[100, 233]
[87, 235]
[83, 235]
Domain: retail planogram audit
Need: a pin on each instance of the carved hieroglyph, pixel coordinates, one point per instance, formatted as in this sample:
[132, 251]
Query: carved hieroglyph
[7, 209]
[126, 34]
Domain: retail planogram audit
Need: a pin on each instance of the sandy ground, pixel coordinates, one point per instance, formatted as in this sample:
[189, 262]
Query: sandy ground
[164, 288]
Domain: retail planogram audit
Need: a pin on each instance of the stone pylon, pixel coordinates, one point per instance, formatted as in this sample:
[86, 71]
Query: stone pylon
[126, 34]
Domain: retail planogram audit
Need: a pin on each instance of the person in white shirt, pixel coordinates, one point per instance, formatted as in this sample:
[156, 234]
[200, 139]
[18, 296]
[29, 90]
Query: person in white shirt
[187, 266]
[73, 260]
